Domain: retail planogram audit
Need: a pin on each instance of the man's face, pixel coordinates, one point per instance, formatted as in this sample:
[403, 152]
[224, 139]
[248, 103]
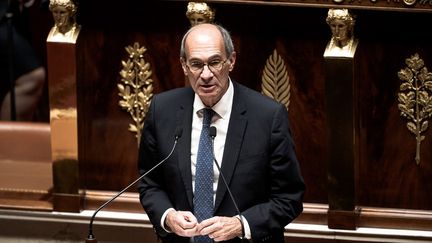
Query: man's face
[206, 66]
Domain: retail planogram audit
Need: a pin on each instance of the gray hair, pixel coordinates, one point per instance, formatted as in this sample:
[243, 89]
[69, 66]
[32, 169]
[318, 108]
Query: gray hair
[228, 43]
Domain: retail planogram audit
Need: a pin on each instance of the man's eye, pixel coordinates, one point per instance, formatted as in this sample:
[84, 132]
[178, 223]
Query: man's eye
[214, 62]
[196, 64]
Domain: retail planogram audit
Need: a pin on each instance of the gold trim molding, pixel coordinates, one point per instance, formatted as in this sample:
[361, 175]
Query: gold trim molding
[136, 87]
[415, 98]
[275, 80]
[382, 5]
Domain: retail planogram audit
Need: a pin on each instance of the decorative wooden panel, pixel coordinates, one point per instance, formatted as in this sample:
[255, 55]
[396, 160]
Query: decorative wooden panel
[386, 175]
[108, 152]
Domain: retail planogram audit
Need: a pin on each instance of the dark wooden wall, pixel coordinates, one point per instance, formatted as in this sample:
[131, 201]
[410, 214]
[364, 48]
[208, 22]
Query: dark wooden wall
[386, 174]
[108, 151]
[391, 190]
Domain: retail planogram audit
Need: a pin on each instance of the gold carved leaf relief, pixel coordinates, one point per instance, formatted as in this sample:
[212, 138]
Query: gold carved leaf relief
[415, 98]
[135, 87]
[275, 80]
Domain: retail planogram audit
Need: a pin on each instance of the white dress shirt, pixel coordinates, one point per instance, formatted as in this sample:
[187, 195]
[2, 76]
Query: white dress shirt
[220, 120]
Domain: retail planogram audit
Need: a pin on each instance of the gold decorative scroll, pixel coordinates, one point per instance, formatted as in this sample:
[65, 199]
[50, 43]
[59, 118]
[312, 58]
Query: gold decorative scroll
[136, 87]
[275, 80]
[415, 98]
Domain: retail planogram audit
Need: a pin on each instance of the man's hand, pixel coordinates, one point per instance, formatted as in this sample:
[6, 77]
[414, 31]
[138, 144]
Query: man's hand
[182, 223]
[220, 228]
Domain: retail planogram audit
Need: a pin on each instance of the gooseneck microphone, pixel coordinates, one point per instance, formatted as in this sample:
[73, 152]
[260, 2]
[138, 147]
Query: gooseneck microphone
[212, 133]
[90, 237]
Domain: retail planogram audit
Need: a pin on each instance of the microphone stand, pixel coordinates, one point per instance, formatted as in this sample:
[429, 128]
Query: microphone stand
[10, 44]
[212, 133]
[91, 238]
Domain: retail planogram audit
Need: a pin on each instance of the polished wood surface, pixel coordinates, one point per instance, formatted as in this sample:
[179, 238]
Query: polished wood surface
[109, 165]
[63, 78]
[407, 5]
[386, 175]
[131, 228]
[108, 151]
[26, 180]
[342, 141]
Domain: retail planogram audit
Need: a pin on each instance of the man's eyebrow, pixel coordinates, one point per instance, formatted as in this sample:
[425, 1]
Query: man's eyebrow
[216, 56]
[195, 59]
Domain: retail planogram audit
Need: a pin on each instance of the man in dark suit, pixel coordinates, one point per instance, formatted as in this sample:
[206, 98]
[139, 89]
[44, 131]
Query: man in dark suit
[253, 145]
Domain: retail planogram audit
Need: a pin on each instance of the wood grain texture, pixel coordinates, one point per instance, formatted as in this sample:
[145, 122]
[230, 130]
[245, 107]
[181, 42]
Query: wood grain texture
[386, 175]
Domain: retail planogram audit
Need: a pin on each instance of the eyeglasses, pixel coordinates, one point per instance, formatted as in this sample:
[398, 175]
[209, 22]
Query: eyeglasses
[214, 65]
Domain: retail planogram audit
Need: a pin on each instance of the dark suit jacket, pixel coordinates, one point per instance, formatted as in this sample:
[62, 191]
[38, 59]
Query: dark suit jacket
[259, 163]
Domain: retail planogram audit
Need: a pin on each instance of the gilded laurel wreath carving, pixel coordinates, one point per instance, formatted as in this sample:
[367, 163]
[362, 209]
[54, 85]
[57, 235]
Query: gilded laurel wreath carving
[136, 87]
[275, 80]
[415, 98]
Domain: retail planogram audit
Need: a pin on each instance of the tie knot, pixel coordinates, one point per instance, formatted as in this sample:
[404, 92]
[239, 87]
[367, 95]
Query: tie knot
[207, 116]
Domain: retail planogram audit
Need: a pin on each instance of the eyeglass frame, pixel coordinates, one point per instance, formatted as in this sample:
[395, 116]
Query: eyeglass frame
[211, 68]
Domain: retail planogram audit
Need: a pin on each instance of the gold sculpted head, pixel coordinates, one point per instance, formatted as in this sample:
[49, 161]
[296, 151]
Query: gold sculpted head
[199, 13]
[63, 12]
[341, 23]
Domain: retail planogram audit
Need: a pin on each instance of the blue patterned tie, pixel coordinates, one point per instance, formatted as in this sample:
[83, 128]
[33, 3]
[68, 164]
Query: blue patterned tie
[203, 200]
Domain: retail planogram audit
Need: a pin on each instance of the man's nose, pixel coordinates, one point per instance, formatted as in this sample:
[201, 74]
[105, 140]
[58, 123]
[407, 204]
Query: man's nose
[206, 72]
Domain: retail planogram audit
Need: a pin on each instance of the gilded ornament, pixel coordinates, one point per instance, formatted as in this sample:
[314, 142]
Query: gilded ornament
[415, 98]
[275, 80]
[65, 27]
[342, 43]
[136, 87]
[199, 12]
[409, 2]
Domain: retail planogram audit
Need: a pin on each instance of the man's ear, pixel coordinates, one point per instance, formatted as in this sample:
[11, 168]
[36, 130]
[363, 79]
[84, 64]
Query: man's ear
[232, 60]
[184, 67]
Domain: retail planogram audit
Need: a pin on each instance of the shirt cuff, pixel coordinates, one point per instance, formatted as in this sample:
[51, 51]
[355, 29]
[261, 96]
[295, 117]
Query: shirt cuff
[164, 215]
[246, 227]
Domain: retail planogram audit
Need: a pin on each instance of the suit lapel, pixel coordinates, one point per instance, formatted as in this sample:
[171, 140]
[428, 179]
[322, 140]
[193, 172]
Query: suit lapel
[184, 120]
[233, 143]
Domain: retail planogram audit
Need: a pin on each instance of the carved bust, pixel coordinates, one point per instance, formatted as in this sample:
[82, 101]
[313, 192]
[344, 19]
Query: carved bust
[199, 13]
[341, 23]
[65, 28]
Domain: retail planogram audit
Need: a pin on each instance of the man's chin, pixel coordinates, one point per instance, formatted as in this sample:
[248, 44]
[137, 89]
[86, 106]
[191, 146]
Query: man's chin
[208, 99]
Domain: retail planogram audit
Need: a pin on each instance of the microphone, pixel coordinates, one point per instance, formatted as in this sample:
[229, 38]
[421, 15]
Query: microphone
[212, 133]
[90, 238]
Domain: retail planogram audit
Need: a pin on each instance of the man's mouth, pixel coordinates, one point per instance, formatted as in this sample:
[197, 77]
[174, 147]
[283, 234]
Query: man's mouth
[207, 87]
